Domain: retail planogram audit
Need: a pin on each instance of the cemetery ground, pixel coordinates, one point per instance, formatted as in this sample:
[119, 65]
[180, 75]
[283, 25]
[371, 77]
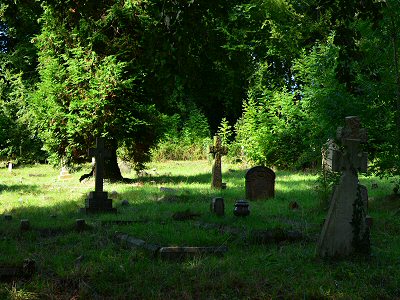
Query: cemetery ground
[96, 263]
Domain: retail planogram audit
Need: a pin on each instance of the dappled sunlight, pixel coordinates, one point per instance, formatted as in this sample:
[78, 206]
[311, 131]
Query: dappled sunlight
[53, 206]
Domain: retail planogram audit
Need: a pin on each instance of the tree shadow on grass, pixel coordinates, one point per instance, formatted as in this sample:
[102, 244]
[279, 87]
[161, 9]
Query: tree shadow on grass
[147, 199]
[26, 188]
[198, 178]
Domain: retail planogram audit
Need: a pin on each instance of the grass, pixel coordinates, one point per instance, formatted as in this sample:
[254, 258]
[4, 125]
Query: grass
[90, 265]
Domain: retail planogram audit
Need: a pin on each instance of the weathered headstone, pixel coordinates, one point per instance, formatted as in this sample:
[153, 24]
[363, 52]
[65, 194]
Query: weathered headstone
[329, 151]
[10, 166]
[98, 201]
[80, 224]
[260, 183]
[345, 230]
[217, 206]
[218, 151]
[64, 174]
[25, 225]
[293, 205]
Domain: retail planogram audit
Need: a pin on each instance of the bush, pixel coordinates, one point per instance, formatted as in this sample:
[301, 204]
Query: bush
[188, 143]
[271, 131]
[18, 138]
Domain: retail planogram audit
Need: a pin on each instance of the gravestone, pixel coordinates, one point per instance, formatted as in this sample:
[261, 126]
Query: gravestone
[329, 153]
[64, 174]
[98, 201]
[345, 231]
[80, 224]
[25, 225]
[260, 183]
[218, 151]
[217, 206]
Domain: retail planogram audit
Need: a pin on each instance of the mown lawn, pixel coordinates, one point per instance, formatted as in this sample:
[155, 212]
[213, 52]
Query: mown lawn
[92, 265]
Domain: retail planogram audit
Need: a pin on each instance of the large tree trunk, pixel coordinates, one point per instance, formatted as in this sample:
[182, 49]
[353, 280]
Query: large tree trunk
[111, 168]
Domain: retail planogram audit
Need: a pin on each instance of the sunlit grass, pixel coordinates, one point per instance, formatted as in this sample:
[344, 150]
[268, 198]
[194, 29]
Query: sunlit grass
[90, 264]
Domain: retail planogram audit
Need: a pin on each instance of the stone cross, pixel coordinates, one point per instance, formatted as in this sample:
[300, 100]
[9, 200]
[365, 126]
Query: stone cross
[98, 201]
[351, 138]
[218, 151]
[344, 231]
[99, 153]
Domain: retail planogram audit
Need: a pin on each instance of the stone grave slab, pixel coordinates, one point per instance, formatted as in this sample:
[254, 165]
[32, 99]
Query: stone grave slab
[132, 242]
[181, 253]
[167, 252]
[24, 271]
[255, 236]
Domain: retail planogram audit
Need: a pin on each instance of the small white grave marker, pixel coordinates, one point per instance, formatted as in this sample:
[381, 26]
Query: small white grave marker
[64, 174]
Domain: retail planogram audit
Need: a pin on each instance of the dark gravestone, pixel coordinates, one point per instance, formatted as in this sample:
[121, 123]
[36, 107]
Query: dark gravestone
[218, 206]
[80, 224]
[98, 201]
[260, 183]
[25, 225]
[125, 203]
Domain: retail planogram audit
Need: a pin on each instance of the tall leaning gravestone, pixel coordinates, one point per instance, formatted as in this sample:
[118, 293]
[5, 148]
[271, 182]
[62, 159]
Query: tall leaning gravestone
[218, 151]
[345, 231]
[98, 201]
[260, 183]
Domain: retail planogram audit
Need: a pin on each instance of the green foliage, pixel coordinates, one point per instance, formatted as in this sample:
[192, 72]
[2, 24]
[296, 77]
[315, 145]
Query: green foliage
[119, 68]
[378, 79]
[189, 141]
[271, 131]
[18, 138]
[91, 83]
[225, 132]
[326, 182]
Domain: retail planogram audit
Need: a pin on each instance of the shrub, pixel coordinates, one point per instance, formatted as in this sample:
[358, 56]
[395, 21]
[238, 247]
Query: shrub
[188, 143]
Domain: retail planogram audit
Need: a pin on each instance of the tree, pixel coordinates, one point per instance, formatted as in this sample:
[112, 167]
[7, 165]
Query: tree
[19, 140]
[91, 82]
[188, 62]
